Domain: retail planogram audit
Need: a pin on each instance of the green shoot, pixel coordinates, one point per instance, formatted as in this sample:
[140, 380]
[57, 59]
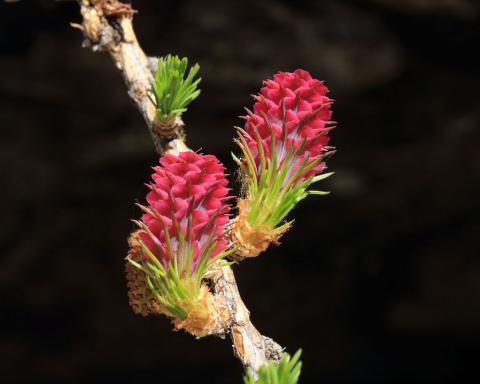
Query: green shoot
[173, 89]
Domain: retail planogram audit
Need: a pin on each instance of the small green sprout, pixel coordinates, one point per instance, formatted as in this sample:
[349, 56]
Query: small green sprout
[287, 371]
[172, 89]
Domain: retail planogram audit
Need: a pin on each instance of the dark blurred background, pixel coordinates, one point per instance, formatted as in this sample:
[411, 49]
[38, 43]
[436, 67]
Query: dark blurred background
[380, 281]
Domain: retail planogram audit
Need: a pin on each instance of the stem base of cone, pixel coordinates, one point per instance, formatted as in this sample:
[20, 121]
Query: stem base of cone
[252, 240]
[207, 316]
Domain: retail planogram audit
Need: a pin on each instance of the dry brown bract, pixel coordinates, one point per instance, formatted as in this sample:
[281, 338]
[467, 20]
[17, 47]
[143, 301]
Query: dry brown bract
[252, 241]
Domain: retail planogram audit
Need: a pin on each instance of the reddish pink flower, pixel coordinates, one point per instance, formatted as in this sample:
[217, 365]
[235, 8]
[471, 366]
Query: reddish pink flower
[294, 110]
[187, 210]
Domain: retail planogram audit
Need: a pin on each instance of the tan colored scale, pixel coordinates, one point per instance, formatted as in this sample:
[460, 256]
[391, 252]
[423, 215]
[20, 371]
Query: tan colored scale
[251, 241]
[139, 295]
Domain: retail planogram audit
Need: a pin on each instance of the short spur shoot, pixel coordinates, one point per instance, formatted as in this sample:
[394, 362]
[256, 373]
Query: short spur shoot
[173, 90]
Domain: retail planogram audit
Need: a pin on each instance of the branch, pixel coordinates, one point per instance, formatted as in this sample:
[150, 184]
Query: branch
[107, 26]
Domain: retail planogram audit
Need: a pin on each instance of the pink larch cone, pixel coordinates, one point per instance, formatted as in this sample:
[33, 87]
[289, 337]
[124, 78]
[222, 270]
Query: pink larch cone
[284, 137]
[181, 232]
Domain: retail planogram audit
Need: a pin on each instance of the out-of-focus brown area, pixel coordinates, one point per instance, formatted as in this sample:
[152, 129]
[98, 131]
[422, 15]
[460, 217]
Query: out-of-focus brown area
[378, 281]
